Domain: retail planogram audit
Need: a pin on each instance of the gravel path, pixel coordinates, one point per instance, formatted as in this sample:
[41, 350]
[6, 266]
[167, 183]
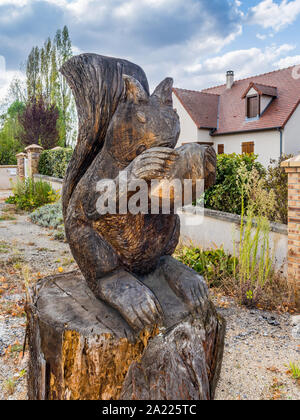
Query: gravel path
[30, 248]
[259, 345]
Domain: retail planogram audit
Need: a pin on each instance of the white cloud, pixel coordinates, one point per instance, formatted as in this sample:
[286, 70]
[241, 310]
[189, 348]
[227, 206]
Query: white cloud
[288, 61]
[245, 63]
[270, 14]
[6, 77]
[261, 37]
[18, 3]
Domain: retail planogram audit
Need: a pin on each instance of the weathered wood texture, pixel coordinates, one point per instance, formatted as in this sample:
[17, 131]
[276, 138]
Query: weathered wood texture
[82, 349]
[125, 130]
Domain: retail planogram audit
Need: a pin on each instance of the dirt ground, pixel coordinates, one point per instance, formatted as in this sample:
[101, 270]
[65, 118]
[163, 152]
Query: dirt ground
[259, 345]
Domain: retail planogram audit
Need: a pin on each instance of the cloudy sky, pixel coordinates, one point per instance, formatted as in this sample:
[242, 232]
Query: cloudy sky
[194, 41]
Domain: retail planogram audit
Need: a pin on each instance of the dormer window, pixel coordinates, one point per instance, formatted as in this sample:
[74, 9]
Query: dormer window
[257, 99]
[252, 106]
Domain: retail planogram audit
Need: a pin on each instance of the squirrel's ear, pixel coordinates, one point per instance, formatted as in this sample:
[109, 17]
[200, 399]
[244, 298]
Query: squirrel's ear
[163, 92]
[134, 91]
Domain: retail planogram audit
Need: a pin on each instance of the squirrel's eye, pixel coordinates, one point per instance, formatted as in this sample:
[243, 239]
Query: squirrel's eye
[141, 149]
[141, 117]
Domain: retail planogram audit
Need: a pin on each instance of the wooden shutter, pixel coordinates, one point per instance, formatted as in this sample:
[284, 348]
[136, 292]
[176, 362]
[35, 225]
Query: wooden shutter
[248, 147]
[220, 149]
[252, 106]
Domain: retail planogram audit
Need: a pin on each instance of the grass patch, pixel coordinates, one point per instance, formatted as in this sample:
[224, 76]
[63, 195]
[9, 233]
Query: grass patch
[7, 217]
[10, 386]
[295, 370]
[226, 273]
[4, 247]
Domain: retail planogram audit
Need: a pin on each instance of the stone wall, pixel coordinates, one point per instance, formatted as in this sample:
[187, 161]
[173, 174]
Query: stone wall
[292, 167]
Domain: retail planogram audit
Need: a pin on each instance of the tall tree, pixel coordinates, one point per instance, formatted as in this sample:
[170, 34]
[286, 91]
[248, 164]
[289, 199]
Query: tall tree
[44, 79]
[33, 73]
[64, 52]
[46, 55]
[39, 124]
[10, 134]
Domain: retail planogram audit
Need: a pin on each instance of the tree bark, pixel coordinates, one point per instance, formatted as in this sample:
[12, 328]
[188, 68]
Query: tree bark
[82, 349]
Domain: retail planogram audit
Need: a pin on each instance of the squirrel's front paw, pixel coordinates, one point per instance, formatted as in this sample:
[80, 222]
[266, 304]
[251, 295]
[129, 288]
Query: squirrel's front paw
[154, 163]
[136, 302]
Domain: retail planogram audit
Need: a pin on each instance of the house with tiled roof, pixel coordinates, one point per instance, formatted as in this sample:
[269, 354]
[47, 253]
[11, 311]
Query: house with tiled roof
[260, 115]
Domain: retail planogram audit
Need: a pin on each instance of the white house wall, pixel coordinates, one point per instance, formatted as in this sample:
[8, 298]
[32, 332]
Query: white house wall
[188, 129]
[266, 144]
[291, 134]
[204, 136]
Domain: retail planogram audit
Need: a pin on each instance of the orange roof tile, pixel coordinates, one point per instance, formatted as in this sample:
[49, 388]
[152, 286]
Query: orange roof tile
[202, 107]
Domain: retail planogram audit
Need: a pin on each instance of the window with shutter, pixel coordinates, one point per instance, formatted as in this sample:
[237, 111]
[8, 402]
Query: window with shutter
[220, 149]
[248, 147]
[252, 106]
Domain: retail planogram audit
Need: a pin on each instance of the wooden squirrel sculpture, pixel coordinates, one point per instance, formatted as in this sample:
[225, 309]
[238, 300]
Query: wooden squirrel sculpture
[123, 128]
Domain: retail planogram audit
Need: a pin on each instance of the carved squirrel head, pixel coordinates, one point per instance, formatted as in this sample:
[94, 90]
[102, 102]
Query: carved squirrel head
[142, 121]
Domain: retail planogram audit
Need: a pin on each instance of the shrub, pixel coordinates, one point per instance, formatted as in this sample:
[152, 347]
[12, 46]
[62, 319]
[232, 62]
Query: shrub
[226, 194]
[30, 194]
[10, 134]
[55, 162]
[49, 216]
[214, 264]
[8, 150]
[249, 274]
[277, 181]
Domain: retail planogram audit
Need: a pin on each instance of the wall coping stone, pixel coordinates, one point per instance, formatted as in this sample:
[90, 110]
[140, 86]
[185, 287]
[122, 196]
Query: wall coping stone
[293, 162]
[49, 178]
[34, 147]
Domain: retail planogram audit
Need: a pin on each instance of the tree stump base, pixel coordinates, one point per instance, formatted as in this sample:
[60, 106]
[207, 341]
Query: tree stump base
[82, 349]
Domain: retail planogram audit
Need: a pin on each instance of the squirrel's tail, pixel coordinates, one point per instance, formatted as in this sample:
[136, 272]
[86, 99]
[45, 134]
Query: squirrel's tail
[97, 85]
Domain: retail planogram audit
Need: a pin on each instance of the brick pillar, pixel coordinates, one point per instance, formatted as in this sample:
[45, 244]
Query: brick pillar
[292, 167]
[33, 152]
[21, 165]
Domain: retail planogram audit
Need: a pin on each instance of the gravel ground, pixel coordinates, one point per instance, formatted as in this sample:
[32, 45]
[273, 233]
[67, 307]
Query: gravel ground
[23, 245]
[259, 345]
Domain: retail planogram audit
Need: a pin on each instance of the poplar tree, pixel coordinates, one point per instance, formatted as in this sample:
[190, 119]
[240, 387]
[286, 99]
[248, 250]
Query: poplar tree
[33, 72]
[44, 80]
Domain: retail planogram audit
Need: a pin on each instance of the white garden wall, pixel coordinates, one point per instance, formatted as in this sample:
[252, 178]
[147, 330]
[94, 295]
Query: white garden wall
[215, 229]
[8, 174]
[56, 183]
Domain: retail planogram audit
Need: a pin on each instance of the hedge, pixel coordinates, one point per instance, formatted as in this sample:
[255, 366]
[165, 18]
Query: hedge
[55, 162]
[226, 195]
